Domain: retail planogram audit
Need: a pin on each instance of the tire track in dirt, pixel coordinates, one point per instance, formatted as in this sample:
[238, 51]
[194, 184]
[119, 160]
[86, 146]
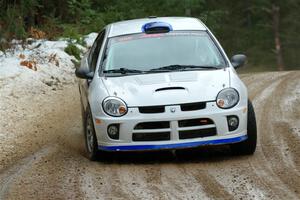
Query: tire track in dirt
[51, 120]
[239, 181]
[261, 165]
[9, 176]
[251, 181]
[281, 125]
[104, 182]
[290, 120]
[51, 175]
[30, 122]
[259, 187]
[180, 185]
[274, 140]
[212, 188]
[257, 83]
[271, 173]
[134, 176]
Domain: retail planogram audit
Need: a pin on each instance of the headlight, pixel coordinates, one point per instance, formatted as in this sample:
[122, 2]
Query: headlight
[114, 106]
[228, 98]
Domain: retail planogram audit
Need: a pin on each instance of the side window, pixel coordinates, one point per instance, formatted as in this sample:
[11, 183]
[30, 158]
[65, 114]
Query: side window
[91, 53]
[95, 50]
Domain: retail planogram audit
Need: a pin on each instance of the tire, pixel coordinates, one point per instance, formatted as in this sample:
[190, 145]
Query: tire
[248, 146]
[91, 143]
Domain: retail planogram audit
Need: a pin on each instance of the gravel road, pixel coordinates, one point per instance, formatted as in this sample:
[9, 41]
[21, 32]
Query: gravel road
[42, 147]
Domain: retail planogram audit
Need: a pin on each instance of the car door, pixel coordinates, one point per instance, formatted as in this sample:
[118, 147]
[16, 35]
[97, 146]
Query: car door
[90, 62]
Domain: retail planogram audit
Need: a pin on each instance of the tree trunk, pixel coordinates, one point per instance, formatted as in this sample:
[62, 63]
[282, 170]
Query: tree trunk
[248, 13]
[188, 10]
[278, 50]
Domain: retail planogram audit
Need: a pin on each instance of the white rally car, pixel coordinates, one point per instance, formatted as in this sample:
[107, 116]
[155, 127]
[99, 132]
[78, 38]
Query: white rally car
[163, 83]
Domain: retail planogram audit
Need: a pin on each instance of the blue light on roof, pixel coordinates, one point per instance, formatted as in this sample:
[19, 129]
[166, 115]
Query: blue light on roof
[165, 27]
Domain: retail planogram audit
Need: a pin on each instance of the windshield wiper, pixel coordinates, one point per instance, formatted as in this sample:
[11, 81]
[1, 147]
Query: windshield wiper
[160, 69]
[124, 71]
[183, 67]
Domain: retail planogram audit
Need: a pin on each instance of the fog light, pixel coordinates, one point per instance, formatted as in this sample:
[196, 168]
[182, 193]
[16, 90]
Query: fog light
[113, 131]
[233, 122]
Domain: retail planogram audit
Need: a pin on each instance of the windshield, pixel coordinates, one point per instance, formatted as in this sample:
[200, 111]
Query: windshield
[144, 52]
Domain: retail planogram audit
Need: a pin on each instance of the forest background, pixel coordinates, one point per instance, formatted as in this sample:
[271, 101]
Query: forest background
[267, 31]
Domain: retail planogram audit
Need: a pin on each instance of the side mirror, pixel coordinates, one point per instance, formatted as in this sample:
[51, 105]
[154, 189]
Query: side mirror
[84, 73]
[238, 60]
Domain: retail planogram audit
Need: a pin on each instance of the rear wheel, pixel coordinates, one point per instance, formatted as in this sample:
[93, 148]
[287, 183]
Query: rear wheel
[248, 146]
[90, 136]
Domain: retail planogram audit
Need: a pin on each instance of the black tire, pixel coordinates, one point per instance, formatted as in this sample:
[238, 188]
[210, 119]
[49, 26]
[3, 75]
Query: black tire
[248, 146]
[91, 142]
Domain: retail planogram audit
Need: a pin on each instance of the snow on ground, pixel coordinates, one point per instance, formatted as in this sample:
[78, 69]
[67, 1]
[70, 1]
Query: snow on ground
[40, 62]
[89, 39]
[27, 71]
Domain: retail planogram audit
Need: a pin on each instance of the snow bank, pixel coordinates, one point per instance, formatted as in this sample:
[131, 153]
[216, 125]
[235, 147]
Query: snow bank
[89, 39]
[48, 57]
[40, 65]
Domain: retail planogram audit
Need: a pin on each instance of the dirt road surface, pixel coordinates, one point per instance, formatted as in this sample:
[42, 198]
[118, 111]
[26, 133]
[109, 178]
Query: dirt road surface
[42, 152]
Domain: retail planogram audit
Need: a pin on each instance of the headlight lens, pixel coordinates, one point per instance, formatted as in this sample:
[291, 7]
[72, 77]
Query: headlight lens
[228, 98]
[114, 106]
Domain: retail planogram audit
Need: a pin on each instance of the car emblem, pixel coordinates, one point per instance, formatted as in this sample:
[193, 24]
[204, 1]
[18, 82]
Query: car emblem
[173, 110]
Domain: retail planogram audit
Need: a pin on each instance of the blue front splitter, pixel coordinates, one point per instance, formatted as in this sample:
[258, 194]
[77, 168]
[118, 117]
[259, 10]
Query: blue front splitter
[173, 146]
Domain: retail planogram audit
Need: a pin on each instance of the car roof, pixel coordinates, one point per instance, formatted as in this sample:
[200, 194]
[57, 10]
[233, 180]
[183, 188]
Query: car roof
[135, 25]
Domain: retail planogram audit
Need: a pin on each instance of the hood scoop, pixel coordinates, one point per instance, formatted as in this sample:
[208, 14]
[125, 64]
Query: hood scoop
[169, 88]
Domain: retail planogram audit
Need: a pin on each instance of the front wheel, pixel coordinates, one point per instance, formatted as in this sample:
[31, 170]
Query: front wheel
[248, 146]
[90, 136]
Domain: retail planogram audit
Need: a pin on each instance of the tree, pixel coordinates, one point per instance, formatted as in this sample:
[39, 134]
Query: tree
[265, 30]
[275, 23]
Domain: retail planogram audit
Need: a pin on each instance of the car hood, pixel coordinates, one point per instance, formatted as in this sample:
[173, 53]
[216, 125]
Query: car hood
[168, 88]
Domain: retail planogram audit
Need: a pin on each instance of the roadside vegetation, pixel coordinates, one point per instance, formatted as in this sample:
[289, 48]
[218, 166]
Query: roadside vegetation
[265, 30]
[72, 50]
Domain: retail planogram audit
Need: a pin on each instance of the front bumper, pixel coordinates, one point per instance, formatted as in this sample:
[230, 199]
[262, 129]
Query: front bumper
[133, 117]
[174, 145]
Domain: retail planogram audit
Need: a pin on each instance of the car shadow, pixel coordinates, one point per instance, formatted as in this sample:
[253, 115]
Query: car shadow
[196, 155]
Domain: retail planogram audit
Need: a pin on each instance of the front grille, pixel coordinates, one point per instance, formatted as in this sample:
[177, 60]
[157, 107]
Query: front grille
[159, 136]
[193, 106]
[195, 122]
[152, 125]
[196, 128]
[152, 109]
[189, 134]
[186, 129]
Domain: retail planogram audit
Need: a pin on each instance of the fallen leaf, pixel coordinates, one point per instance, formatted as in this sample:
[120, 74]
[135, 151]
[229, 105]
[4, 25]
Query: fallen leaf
[22, 56]
[29, 64]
